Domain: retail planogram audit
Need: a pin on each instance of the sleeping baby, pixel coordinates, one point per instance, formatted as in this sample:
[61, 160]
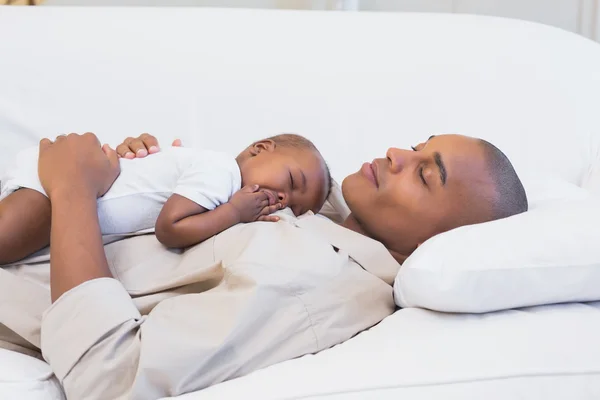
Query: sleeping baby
[187, 195]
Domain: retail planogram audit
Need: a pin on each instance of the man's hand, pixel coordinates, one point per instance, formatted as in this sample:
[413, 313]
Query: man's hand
[141, 146]
[77, 163]
[251, 204]
[75, 171]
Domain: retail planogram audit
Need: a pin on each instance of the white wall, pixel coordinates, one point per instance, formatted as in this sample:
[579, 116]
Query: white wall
[281, 4]
[580, 16]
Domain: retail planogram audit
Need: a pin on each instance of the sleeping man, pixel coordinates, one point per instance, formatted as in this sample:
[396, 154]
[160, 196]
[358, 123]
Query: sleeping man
[133, 320]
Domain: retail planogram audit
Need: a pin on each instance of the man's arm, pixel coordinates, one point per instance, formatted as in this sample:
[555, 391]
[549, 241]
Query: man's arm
[76, 242]
[101, 348]
[74, 171]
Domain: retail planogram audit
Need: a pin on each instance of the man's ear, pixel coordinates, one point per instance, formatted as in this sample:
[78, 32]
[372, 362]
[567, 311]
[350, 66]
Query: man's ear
[262, 145]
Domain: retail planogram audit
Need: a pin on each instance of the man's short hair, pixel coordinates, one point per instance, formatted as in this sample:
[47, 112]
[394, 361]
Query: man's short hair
[510, 198]
[302, 143]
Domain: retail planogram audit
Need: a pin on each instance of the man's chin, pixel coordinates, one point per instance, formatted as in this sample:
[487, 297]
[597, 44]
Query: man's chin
[350, 189]
[351, 181]
[356, 197]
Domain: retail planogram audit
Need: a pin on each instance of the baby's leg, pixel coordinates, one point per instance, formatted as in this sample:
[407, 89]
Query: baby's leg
[24, 224]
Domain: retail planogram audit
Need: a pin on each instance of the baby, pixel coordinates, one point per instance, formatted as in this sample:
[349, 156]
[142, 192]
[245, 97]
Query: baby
[187, 195]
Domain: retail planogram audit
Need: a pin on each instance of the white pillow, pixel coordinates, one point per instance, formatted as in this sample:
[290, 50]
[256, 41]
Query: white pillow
[550, 254]
[545, 190]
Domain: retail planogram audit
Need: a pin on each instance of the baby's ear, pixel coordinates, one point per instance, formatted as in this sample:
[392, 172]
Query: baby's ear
[262, 145]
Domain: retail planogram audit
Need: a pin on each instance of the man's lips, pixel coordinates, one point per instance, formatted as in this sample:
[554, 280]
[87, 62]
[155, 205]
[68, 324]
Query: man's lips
[369, 170]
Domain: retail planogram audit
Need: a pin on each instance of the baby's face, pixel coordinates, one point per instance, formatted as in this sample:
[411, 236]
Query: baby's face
[296, 177]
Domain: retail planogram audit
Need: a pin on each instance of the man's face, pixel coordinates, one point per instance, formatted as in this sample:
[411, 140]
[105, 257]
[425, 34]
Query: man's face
[411, 195]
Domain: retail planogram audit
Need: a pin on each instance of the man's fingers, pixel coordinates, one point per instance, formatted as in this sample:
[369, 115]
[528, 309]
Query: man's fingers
[132, 148]
[138, 147]
[89, 136]
[124, 151]
[111, 154]
[177, 143]
[150, 143]
[45, 143]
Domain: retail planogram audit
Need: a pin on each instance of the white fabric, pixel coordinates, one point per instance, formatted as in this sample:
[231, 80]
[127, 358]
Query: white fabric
[355, 84]
[27, 378]
[252, 296]
[535, 353]
[545, 256]
[134, 201]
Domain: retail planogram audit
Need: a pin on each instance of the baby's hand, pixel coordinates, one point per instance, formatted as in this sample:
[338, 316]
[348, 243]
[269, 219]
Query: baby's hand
[251, 205]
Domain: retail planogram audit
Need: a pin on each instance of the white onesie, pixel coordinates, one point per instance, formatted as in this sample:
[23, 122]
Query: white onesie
[134, 201]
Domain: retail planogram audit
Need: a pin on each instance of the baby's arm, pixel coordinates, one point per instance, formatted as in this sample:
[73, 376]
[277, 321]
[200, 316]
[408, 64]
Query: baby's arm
[183, 223]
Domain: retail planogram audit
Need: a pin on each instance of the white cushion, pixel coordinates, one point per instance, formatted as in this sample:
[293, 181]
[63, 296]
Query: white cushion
[536, 353]
[26, 378]
[544, 256]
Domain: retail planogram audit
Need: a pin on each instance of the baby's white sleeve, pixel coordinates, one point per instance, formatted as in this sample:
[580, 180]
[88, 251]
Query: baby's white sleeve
[209, 182]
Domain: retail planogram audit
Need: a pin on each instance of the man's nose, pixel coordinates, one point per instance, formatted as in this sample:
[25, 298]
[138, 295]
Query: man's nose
[399, 158]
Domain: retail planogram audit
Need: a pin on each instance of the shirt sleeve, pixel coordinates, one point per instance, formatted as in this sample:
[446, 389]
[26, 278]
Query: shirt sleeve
[100, 347]
[209, 181]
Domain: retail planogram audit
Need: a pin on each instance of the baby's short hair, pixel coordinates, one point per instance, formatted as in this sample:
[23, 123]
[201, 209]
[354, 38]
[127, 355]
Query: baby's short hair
[300, 142]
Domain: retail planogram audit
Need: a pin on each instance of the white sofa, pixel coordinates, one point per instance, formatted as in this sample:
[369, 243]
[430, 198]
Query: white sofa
[355, 83]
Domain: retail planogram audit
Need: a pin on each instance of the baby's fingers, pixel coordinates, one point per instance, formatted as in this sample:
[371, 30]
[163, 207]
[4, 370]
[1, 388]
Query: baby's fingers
[270, 209]
[250, 189]
[268, 218]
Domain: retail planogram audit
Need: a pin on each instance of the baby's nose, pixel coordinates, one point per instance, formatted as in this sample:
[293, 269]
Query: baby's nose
[283, 198]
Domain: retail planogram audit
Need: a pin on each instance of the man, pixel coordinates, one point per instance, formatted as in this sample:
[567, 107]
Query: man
[143, 322]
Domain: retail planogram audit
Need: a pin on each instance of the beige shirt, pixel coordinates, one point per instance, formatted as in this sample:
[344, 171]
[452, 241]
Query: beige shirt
[173, 322]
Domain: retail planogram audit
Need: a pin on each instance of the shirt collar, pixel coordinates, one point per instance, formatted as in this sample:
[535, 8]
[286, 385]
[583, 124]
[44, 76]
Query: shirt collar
[335, 207]
[369, 253]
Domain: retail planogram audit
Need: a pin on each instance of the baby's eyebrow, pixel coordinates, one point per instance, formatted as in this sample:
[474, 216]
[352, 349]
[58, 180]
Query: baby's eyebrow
[303, 179]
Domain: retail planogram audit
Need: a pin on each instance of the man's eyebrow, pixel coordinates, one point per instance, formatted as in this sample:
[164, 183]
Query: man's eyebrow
[440, 164]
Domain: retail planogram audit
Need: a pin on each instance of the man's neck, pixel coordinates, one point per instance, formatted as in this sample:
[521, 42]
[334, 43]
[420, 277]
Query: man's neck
[353, 224]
